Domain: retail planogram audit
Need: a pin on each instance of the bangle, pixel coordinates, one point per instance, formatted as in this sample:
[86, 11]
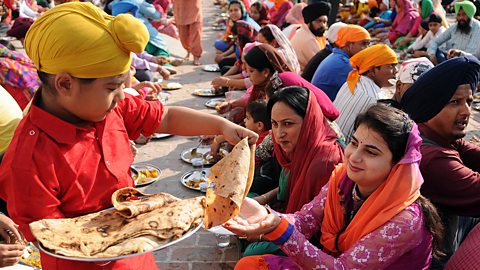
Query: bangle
[227, 81]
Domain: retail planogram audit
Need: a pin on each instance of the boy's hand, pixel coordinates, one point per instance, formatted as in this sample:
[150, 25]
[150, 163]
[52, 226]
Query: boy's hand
[234, 133]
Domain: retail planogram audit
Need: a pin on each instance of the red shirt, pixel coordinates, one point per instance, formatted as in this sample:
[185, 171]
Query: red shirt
[54, 169]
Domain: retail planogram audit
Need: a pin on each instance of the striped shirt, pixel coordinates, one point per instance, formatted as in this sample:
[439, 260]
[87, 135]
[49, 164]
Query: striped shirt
[458, 40]
[366, 94]
[467, 255]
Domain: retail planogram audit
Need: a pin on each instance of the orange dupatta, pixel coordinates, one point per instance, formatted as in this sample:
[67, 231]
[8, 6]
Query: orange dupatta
[397, 192]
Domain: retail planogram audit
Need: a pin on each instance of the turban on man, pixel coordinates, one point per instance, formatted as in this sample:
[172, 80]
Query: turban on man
[434, 88]
[351, 33]
[467, 6]
[332, 33]
[82, 40]
[313, 11]
[374, 56]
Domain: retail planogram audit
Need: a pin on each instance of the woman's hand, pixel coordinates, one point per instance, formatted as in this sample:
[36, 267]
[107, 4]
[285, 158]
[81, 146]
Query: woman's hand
[10, 254]
[164, 72]
[220, 81]
[223, 107]
[11, 251]
[9, 230]
[253, 221]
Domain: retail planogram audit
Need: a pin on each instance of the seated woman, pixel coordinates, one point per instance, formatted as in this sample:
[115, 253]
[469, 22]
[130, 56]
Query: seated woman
[231, 68]
[294, 19]
[279, 11]
[371, 214]
[269, 71]
[403, 23]
[306, 149]
[425, 9]
[272, 35]
[145, 12]
[382, 20]
[225, 46]
[259, 13]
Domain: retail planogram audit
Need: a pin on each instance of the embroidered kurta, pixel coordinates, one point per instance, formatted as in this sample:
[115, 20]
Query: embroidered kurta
[54, 169]
[401, 243]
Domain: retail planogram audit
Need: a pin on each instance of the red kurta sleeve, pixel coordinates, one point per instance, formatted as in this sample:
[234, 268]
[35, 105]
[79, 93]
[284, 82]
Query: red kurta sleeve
[140, 116]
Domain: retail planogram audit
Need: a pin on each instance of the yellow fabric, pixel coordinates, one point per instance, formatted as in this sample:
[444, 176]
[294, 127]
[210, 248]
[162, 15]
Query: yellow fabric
[322, 42]
[10, 116]
[351, 33]
[397, 192]
[82, 40]
[374, 56]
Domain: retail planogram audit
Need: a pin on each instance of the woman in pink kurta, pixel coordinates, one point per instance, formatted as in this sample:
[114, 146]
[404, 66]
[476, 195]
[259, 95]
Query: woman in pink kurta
[369, 216]
[188, 16]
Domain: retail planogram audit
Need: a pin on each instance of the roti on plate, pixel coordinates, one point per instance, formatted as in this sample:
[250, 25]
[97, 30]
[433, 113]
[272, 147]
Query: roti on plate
[108, 233]
[232, 177]
[130, 202]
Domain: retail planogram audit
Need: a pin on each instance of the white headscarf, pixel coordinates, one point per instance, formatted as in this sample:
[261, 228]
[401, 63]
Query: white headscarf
[286, 48]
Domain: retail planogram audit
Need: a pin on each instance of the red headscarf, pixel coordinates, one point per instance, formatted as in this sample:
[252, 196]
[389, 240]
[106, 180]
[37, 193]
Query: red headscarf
[264, 16]
[313, 159]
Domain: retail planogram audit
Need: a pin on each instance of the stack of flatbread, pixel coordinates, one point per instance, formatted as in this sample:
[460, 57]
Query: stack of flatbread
[139, 223]
[232, 177]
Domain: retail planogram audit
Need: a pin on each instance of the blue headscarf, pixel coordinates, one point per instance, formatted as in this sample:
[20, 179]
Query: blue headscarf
[120, 7]
[433, 89]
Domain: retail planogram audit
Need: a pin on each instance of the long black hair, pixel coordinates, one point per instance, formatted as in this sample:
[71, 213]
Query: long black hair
[296, 97]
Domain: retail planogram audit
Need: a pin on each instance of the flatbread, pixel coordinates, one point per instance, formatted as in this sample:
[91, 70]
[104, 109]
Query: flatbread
[130, 202]
[109, 234]
[233, 176]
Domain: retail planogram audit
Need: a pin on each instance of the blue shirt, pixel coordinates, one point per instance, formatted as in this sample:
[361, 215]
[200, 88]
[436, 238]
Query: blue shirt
[332, 73]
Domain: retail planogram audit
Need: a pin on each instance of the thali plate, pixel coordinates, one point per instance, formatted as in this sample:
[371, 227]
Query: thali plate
[212, 103]
[207, 92]
[192, 179]
[146, 169]
[211, 68]
[106, 259]
[161, 135]
[171, 85]
[203, 152]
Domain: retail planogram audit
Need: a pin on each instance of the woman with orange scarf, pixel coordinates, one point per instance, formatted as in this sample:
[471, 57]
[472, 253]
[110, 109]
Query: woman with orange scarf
[371, 214]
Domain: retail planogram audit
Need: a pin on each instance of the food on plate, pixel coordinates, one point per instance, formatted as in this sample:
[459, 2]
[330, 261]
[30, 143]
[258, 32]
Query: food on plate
[171, 85]
[31, 256]
[232, 177]
[131, 202]
[108, 233]
[145, 175]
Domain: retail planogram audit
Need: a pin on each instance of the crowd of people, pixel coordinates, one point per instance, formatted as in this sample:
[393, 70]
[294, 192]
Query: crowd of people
[347, 175]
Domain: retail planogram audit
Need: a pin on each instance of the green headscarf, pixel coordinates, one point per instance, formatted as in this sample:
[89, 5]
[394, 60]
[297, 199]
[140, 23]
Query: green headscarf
[467, 6]
[427, 8]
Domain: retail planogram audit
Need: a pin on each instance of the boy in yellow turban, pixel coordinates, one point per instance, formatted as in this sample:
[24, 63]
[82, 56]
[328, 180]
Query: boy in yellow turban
[72, 151]
[373, 67]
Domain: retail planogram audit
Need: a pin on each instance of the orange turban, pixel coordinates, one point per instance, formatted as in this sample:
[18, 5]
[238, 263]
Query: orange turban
[351, 33]
[374, 56]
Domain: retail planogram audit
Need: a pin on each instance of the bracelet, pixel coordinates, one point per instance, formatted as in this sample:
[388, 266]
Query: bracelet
[227, 82]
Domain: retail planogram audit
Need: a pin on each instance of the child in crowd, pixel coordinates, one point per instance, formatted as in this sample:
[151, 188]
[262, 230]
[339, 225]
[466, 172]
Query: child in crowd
[420, 46]
[83, 119]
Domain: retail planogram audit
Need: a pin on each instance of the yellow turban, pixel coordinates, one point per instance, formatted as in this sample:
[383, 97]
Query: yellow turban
[82, 40]
[374, 56]
[351, 33]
